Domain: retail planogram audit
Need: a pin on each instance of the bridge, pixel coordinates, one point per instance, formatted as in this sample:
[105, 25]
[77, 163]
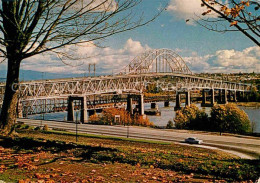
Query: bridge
[162, 67]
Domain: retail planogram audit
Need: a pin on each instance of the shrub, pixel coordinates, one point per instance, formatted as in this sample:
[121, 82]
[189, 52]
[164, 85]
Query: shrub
[169, 125]
[95, 119]
[141, 121]
[229, 118]
[45, 128]
[190, 117]
[108, 118]
[37, 128]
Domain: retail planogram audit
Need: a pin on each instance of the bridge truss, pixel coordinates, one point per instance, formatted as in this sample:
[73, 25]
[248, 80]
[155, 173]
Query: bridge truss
[161, 65]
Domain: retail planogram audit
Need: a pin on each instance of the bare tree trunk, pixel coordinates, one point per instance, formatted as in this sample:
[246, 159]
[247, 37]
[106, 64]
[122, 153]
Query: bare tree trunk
[9, 113]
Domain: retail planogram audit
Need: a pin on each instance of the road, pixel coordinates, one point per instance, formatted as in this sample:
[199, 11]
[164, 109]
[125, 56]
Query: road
[243, 146]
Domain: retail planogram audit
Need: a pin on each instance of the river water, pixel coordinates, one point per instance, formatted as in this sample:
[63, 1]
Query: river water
[167, 113]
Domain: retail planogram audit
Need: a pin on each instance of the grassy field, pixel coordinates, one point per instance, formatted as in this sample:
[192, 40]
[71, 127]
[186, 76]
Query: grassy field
[51, 157]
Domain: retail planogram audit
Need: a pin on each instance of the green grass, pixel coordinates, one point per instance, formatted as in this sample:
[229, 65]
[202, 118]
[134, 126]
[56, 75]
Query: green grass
[116, 152]
[107, 137]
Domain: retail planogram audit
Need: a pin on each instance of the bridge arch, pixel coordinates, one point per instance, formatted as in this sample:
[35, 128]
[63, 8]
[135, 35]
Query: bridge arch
[157, 61]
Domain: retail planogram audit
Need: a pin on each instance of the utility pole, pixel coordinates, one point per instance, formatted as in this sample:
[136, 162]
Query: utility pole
[94, 68]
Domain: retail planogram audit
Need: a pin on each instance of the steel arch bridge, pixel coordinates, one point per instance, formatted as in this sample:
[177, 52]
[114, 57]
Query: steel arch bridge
[144, 69]
[157, 61]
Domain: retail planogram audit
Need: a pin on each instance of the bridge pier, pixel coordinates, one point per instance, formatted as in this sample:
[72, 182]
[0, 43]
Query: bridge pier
[70, 115]
[204, 98]
[129, 105]
[223, 96]
[229, 97]
[166, 103]
[187, 97]
[178, 100]
[141, 104]
[154, 105]
[235, 96]
[83, 111]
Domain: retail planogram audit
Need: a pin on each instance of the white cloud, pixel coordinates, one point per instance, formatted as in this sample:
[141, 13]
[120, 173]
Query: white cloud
[106, 59]
[96, 5]
[109, 59]
[247, 60]
[187, 9]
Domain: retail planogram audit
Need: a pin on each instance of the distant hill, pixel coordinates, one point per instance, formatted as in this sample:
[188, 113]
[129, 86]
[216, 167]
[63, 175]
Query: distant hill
[26, 75]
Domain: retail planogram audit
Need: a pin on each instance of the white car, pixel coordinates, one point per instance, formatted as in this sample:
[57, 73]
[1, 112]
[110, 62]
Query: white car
[193, 140]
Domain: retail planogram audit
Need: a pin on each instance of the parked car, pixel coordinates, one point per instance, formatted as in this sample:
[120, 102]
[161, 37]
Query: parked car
[193, 140]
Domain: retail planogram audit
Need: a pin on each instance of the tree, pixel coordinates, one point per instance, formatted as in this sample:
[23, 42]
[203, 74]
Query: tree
[31, 27]
[229, 118]
[242, 15]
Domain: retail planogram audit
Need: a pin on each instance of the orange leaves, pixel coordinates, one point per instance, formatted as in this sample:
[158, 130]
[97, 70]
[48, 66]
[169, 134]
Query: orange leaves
[245, 3]
[115, 116]
[2, 168]
[236, 10]
[233, 23]
[205, 13]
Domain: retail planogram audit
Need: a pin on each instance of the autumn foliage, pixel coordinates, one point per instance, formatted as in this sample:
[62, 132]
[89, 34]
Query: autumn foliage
[224, 118]
[242, 15]
[229, 118]
[190, 117]
[108, 117]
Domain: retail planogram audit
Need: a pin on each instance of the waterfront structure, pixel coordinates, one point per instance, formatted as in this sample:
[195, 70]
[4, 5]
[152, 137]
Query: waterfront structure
[153, 66]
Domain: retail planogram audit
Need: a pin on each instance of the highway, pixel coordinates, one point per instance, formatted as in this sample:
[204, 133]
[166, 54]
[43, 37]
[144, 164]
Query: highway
[243, 146]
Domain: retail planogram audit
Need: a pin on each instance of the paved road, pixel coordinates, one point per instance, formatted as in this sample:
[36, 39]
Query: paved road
[246, 147]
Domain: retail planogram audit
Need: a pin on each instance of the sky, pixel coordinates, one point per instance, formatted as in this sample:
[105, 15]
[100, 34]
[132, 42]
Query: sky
[201, 49]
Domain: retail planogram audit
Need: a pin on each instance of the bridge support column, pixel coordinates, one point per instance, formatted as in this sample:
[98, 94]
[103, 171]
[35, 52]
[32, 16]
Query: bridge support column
[70, 116]
[238, 97]
[235, 96]
[243, 96]
[212, 97]
[166, 103]
[141, 104]
[219, 96]
[178, 102]
[84, 110]
[154, 105]
[224, 97]
[204, 98]
[229, 95]
[129, 105]
[187, 95]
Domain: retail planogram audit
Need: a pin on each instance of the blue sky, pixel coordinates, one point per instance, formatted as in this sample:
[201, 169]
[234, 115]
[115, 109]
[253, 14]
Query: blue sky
[203, 50]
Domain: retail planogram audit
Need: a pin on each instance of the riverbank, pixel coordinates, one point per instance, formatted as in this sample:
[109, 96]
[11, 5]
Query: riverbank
[255, 105]
[43, 156]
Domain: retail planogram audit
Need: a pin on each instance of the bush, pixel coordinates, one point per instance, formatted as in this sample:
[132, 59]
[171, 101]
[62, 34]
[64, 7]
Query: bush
[108, 118]
[190, 117]
[95, 119]
[37, 128]
[229, 118]
[45, 128]
[169, 125]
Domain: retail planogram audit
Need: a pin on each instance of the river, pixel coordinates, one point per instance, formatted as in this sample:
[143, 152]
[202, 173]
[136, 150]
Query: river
[167, 113]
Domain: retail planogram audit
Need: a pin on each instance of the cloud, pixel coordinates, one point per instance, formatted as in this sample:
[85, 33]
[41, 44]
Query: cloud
[228, 61]
[187, 9]
[110, 60]
[107, 60]
[96, 5]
